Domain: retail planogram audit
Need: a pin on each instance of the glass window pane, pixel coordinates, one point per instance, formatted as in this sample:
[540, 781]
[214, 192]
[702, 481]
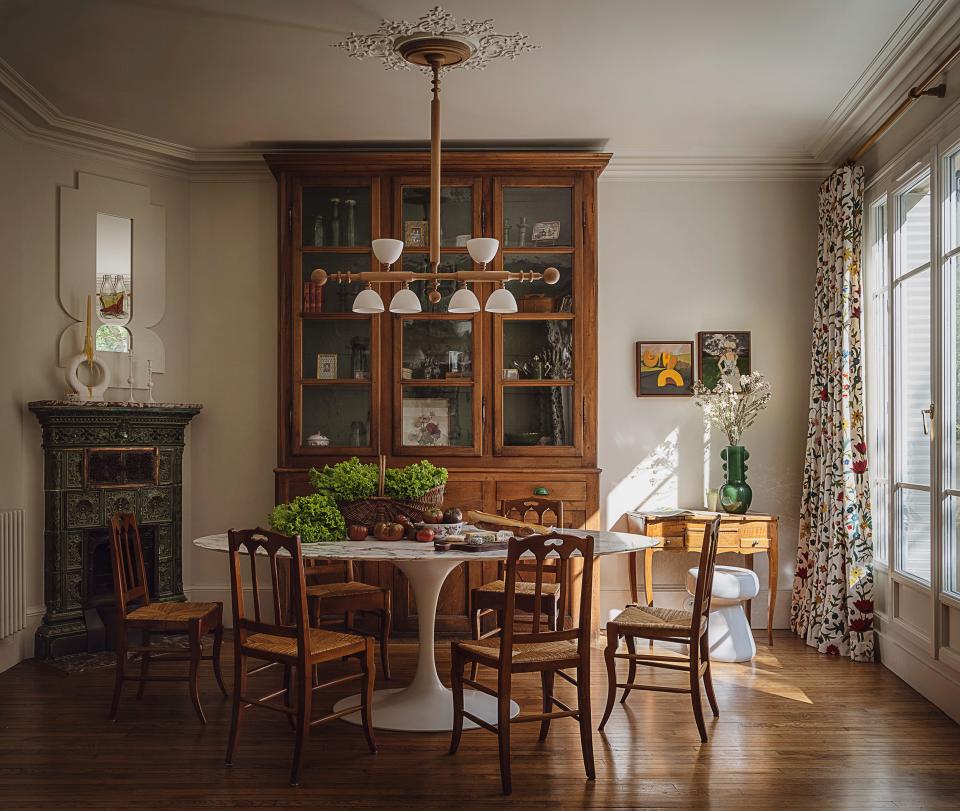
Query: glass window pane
[336, 217]
[951, 357]
[538, 350]
[332, 297]
[912, 385]
[537, 216]
[878, 418]
[341, 414]
[540, 297]
[538, 415]
[456, 216]
[438, 416]
[336, 349]
[435, 349]
[913, 227]
[449, 263]
[913, 516]
[951, 220]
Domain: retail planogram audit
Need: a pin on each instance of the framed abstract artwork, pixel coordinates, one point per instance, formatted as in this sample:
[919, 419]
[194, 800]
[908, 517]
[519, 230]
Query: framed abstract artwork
[723, 357]
[664, 368]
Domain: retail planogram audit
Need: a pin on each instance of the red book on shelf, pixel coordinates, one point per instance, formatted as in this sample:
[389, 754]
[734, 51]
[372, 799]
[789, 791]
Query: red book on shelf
[306, 297]
[319, 288]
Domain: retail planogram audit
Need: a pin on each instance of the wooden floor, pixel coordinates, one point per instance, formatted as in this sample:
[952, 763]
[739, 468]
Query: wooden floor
[797, 730]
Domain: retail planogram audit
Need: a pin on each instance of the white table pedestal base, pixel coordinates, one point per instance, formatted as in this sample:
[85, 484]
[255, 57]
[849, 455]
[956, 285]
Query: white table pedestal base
[425, 705]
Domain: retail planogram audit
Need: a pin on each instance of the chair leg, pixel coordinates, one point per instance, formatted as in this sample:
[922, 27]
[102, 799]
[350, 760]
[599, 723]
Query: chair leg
[239, 688]
[304, 702]
[386, 625]
[121, 672]
[695, 690]
[586, 723]
[196, 651]
[288, 691]
[369, 666]
[632, 672]
[456, 687]
[477, 621]
[613, 640]
[546, 680]
[708, 676]
[217, 645]
[144, 665]
[503, 736]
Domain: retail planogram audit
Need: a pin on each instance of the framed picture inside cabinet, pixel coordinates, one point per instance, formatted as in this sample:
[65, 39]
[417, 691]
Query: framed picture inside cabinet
[664, 368]
[723, 357]
[426, 421]
[326, 366]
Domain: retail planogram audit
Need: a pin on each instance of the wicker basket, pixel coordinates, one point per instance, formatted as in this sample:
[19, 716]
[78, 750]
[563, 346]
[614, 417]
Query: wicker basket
[369, 511]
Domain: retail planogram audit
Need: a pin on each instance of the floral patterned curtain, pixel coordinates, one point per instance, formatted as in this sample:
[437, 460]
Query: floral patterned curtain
[833, 587]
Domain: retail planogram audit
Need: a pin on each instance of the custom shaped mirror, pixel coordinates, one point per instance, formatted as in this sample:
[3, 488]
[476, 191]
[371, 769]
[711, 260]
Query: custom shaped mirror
[114, 282]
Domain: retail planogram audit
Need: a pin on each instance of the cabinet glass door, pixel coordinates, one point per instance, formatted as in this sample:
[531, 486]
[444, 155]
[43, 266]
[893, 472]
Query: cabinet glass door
[437, 401]
[537, 364]
[335, 352]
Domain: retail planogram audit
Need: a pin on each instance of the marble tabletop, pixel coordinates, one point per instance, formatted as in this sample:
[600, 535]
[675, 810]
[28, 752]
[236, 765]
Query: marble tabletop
[605, 543]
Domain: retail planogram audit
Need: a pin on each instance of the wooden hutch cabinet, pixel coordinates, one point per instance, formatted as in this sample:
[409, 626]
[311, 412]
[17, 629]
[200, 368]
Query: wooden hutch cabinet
[507, 403]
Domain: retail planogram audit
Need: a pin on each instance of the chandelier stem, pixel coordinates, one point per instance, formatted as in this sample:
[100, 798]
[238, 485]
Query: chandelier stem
[435, 169]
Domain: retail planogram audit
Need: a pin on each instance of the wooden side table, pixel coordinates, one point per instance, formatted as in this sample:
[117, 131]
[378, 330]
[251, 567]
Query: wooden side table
[747, 535]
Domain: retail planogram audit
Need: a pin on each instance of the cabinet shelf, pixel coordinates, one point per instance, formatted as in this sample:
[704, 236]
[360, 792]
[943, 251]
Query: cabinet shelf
[340, 381]
[335, 249]
[537, 249]
[538, 316]
[334, 316]
[543, 382]
[452, 381]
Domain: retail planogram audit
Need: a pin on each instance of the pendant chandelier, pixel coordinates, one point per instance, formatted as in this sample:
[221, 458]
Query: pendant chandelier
[435, 43]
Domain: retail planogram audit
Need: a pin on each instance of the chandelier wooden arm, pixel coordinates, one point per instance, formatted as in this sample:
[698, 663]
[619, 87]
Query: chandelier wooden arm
[549, 276]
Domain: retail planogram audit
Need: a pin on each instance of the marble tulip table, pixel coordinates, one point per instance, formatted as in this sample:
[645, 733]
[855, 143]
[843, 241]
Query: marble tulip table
[425, 705]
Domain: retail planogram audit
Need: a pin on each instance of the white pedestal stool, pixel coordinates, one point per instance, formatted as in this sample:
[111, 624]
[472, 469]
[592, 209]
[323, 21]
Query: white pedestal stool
[729, 633]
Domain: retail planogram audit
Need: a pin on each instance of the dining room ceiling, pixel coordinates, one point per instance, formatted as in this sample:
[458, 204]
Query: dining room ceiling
[644, 77]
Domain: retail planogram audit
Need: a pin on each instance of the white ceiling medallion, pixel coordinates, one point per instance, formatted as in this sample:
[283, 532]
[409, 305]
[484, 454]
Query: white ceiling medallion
[480, 43]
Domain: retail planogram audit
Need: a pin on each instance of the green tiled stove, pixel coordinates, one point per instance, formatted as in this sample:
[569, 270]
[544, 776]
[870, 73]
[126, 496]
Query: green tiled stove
[98, 459]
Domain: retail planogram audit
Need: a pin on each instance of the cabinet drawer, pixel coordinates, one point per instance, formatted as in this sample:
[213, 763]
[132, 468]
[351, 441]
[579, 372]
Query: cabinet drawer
[729, 539]
[567, 492]
[754, 543]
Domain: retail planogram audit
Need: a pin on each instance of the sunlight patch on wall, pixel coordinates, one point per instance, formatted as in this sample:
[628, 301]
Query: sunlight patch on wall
[651, 485]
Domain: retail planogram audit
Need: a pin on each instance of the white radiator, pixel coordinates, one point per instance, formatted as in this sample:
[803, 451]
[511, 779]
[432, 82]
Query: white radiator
[12, 608]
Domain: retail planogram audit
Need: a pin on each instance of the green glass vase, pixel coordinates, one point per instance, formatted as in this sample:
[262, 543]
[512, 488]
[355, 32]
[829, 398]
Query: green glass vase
[735, 495]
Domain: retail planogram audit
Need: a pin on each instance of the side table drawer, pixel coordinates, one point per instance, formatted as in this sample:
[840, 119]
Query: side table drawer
[729, 538]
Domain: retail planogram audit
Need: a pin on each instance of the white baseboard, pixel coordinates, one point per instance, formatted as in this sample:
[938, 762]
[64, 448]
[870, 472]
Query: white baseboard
[932, 679]
[14, 649]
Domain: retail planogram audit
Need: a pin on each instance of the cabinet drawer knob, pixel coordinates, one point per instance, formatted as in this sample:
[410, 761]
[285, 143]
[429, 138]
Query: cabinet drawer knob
[541, 491]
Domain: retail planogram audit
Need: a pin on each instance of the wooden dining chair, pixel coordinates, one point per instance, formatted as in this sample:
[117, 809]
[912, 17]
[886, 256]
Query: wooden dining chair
[668, 625]
[296, 647]
[489, 598]
[136, 612]
[547, 652]
[340, 593]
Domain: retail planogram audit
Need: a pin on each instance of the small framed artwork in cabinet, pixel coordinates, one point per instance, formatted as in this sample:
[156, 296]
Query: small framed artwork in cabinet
[326, 366]
[416, 233]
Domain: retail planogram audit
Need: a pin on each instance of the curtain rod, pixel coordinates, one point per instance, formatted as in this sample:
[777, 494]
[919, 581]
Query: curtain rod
[922, 89]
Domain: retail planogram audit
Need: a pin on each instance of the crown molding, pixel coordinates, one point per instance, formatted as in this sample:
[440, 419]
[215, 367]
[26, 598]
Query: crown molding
[929, 30]
[636, 166]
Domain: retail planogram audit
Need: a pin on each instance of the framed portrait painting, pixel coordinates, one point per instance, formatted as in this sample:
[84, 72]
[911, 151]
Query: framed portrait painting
[723, 357]
[664, 368]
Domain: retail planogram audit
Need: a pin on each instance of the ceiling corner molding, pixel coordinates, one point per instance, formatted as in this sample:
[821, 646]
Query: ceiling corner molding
[636, 166]
[928, 30]
[34, 118]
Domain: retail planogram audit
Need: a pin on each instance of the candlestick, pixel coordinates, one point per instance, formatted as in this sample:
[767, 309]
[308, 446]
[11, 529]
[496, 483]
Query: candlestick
[150, 382]
[130, 378]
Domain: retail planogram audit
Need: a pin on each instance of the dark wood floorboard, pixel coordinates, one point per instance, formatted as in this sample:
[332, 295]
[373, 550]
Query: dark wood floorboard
[797, 730]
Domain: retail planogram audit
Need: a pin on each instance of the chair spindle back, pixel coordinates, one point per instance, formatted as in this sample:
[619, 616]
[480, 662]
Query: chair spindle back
[556, 547]
[259, 542]
[704, 590]
[126, 556]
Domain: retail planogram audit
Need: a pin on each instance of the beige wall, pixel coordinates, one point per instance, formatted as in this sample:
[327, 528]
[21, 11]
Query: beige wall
[233, 368]
[676, 258]
[30, 177]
